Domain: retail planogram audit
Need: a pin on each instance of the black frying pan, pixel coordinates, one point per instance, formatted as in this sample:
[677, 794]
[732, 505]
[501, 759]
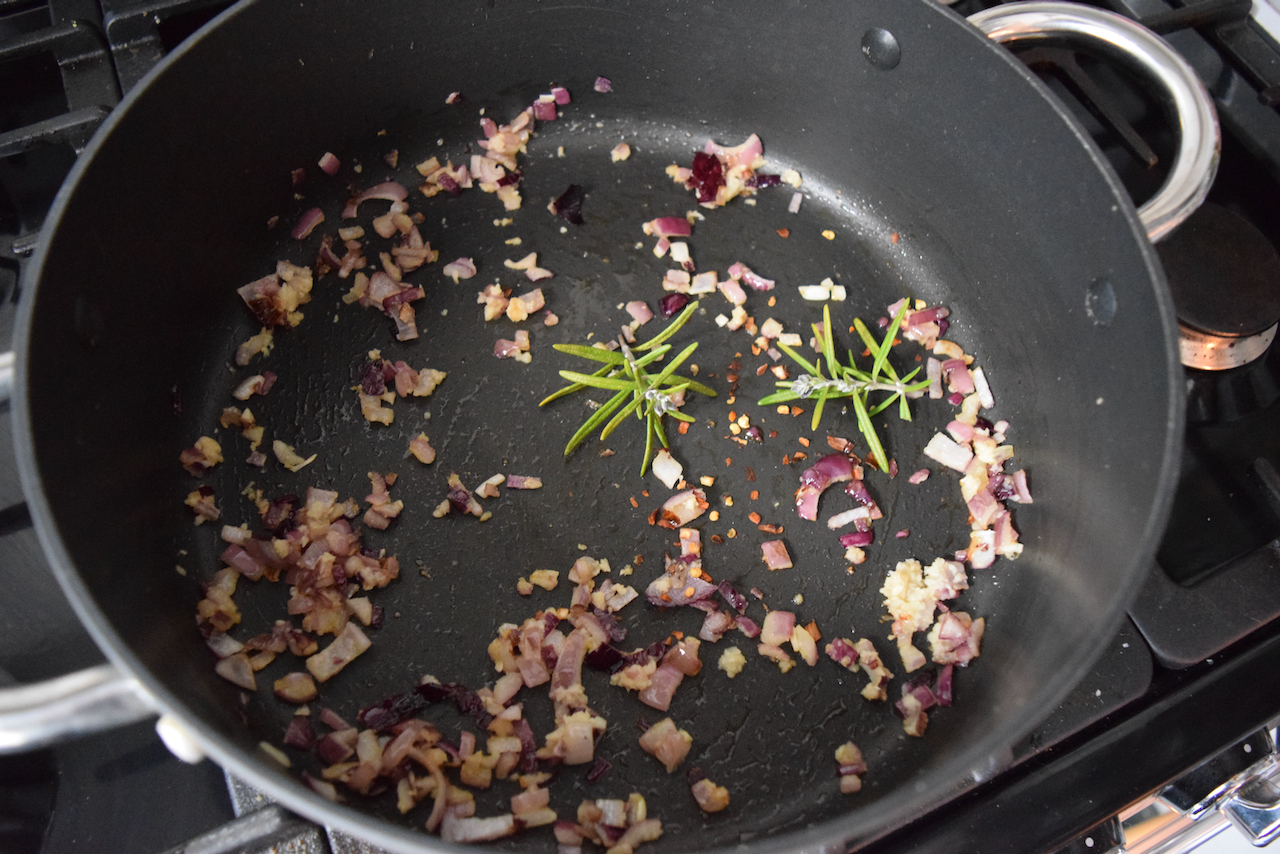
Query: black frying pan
[1002, 213]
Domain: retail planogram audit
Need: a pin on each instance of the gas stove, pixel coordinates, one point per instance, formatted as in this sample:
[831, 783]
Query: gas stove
[1171, 729]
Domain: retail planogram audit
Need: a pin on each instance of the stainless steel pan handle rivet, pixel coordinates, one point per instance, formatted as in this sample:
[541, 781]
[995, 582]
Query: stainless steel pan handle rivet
[881, 48]
[1196, 161]
[179, 740]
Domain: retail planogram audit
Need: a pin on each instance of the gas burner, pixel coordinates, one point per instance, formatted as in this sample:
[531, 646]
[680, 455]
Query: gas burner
[1225, 278]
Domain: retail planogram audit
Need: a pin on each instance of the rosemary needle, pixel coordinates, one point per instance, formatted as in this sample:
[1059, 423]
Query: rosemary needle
[624, 372]
[848, 381]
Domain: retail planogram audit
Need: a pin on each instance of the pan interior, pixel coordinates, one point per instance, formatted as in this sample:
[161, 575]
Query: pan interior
[886, 213]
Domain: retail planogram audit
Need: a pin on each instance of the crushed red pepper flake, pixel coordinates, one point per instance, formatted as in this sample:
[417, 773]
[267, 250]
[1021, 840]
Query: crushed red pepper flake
[717, 539]
[683, 428]
[634, 503]
[773, 434]
[751, 474]
[773, 301]
[645, 493]
[771, 529]
[804, 440]
[784, 233]
[755, 495]
[759, 371]
[728, 461]
[797, 411]
[754, 517]
[638, 559]
[786, 459]
[799, 455]
[893, 238]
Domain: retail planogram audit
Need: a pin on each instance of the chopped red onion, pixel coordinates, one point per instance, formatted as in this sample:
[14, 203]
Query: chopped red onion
[714, 625]
[680, 509]
[943, 449]
[639, 311]
[796, 198]
[545, 111]
[389, 191]
[1022, 494]
[463, 268]
[744, 273]
[843, 652]
[504, 349]
[307, 223]
[603, 84]
[777, 627]
[942, 688]
[707, 176]
[841, 519]
[857, 538]
[983, 389]
[299, 733]
[775, 554]
[672, 304]
[568, 205]
[919, 477]
[731, 596]
[329, 163]
[957, 375]
[670, 226]
[677, 586]
[662, 687]
[560, 94]
[833, 468]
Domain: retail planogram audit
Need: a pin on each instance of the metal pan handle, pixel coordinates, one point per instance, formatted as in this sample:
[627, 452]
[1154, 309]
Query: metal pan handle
[80, 703]
[87, 701]
[1196, 162]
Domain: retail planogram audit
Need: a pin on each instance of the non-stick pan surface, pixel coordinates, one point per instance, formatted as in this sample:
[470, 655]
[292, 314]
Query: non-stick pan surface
[1000, 211]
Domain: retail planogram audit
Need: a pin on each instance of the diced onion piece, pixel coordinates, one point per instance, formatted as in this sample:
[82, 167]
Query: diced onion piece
[463, 268]
[307, 223]
[237, 670]
[943, 449]
[777, 627]
[329, 163]
[667, 743]
[681, 509]
[710, 796]
[327, 663]
[666, 468]
[289, 458]
[296, 687]
[421, 449]
[775, 555]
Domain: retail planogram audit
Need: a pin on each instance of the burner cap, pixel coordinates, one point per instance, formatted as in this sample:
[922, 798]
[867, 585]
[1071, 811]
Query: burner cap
[1225, 278]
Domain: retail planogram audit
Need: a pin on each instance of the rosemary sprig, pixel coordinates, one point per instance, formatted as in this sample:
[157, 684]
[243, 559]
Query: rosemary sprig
[623, 372]
[852, 382]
